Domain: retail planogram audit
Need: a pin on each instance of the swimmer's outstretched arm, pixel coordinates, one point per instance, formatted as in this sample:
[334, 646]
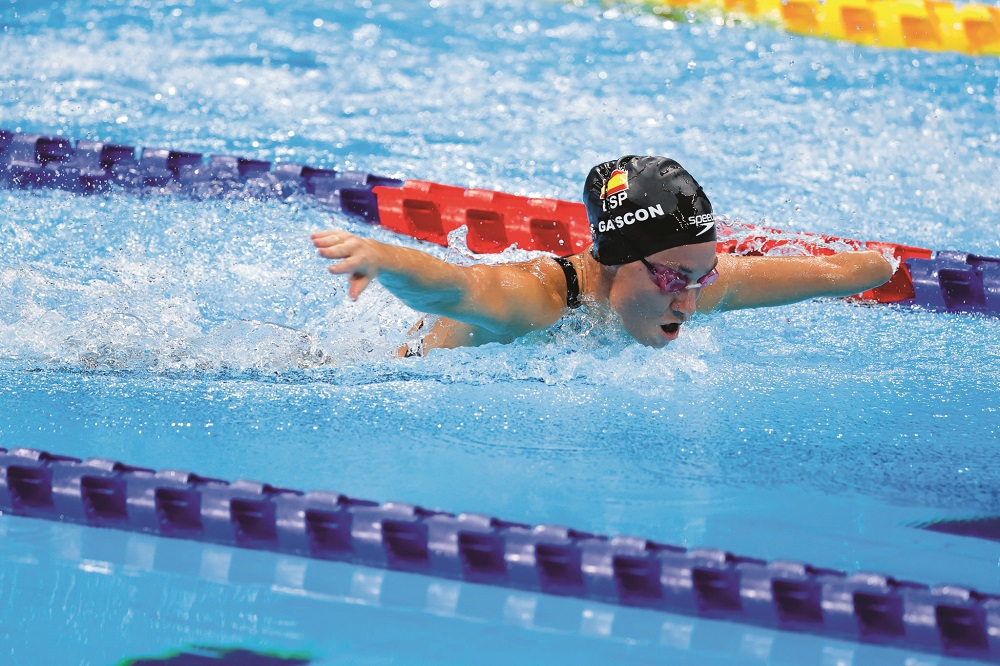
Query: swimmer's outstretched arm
[507, 300]
[755, 282]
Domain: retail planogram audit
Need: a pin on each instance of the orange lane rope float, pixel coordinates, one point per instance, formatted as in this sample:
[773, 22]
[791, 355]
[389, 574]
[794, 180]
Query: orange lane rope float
[932, 25]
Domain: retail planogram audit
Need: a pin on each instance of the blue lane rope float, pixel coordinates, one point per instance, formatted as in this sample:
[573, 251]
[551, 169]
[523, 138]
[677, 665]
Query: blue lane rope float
[957, 282]
[35, 160]
[627, 571]
[944, 281]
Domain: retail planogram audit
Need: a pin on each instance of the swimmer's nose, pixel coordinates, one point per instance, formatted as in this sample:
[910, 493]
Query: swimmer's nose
[686, 302]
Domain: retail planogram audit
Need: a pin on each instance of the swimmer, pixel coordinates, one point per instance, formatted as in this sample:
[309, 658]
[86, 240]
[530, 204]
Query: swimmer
[653, 261]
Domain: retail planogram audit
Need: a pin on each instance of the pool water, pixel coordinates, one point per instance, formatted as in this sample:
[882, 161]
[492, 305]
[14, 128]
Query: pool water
[170, 332]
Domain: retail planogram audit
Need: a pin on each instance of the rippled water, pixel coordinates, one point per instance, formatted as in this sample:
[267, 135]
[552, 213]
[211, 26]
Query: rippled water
[206, 334]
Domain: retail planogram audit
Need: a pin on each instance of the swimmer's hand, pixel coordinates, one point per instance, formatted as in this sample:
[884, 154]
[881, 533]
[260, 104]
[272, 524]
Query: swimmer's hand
[360, 258]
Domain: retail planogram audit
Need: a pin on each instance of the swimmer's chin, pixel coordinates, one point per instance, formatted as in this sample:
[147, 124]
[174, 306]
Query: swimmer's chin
[658, 342]
[661, 336]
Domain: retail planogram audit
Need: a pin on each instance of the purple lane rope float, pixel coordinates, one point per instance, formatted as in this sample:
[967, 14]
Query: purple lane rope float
[946, 281]
[475, 548]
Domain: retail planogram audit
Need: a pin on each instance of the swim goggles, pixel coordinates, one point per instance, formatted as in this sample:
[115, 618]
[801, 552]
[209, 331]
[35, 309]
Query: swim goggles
[672, 282]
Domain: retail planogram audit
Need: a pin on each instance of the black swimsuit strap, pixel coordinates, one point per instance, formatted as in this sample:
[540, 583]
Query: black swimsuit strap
[572, 282]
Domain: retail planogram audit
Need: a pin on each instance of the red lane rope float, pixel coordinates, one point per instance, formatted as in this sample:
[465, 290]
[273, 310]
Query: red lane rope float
[475, 548]
[495, 220]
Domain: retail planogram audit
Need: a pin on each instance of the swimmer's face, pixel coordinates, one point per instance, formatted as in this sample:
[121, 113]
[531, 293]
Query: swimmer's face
[650, 315]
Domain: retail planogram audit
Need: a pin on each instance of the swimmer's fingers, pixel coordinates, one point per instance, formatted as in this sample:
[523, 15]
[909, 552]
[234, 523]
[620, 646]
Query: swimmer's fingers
[339, 250]
[360, 271]
[333, 238]
[359, 258]
[358, 283]
[320, 237]
[344, 247]
[352, 265]
[360, 275]
[325, 232]
[329, 232]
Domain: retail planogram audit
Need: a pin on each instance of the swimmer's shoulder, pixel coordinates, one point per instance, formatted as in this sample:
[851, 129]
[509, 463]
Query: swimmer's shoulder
[547, 267]
[560, 276]
[524, 296]
[545, 270]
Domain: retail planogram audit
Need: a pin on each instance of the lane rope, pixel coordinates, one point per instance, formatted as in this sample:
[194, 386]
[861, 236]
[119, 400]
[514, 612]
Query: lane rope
[947, 281]
[931, 25]
[475, 548]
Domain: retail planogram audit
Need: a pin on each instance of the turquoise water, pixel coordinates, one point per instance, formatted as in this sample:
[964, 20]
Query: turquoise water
[205, 335]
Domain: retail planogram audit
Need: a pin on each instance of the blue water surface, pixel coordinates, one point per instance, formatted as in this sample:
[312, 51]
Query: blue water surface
[206, 335]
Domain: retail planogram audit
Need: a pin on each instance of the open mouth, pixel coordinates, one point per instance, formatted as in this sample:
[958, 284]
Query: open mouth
[670, 328]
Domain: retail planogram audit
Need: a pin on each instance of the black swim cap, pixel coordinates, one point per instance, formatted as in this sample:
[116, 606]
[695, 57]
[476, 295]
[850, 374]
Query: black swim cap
[641, 205]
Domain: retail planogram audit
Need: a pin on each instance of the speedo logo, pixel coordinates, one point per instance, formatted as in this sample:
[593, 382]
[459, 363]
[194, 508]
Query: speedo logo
[640, 215]
[705, 221]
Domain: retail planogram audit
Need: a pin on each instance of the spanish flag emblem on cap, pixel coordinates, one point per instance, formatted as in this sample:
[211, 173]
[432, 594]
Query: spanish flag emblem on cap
[616, 182]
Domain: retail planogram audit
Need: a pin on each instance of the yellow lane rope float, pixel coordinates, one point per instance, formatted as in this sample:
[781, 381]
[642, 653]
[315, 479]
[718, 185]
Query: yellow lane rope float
[932, 25]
